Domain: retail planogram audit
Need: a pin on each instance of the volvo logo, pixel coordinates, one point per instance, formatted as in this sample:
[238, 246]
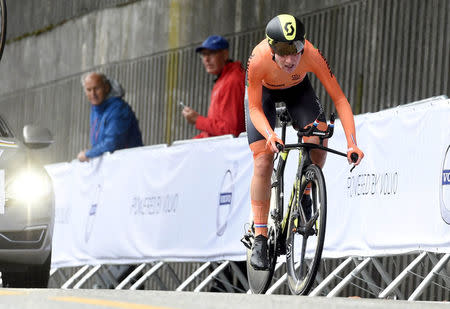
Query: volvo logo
[445, 187]
[225, 202]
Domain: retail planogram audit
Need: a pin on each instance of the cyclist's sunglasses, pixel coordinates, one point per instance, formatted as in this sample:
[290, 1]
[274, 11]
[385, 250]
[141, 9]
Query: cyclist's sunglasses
[285, 48]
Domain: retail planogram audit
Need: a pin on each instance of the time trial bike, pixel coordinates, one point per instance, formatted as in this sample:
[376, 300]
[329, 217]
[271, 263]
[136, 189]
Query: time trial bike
[292, 231]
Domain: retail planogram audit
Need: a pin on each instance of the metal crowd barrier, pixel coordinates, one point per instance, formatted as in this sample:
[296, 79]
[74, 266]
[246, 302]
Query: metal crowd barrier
[412, 277]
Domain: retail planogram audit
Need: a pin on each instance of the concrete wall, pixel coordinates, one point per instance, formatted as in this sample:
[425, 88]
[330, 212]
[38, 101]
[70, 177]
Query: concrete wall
[114, 34]
[31, 16]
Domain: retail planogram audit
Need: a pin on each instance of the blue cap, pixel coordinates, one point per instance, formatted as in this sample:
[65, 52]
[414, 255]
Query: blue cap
[214, 42]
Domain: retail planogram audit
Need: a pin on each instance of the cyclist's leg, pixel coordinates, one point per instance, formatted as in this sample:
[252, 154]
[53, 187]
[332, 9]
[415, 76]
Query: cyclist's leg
[262, 166]
[260, 184]
[304, 107]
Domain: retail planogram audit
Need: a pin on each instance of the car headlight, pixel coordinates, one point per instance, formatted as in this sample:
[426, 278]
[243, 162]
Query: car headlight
[29, 185]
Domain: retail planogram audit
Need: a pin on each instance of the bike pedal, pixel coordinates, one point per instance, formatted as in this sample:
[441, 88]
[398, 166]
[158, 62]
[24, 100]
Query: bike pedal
[246, 240]
[310, 231]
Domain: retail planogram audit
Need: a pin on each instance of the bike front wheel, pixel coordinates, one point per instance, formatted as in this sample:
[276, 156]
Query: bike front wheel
[305, 238]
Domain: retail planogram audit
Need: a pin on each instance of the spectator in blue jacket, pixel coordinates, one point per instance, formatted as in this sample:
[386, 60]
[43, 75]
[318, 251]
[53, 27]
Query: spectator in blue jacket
[113, 124]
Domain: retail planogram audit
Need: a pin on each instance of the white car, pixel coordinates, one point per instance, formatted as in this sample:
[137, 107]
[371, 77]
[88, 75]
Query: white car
[26, 209]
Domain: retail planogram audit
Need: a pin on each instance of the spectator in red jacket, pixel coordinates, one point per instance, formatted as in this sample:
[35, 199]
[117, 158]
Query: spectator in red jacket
[226, 110]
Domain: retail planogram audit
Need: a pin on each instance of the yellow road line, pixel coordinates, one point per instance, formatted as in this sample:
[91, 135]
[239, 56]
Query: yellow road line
[9, 292]
[106, 303]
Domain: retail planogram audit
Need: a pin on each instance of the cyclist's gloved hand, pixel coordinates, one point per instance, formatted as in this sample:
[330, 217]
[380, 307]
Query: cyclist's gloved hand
[353, 149]
[271, 142]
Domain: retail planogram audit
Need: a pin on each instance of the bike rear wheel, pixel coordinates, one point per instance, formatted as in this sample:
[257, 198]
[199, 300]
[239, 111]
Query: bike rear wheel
[2, 26]
[259, 280]
[305, 239]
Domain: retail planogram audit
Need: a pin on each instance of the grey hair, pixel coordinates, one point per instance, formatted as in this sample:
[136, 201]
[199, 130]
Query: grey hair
[102, 76]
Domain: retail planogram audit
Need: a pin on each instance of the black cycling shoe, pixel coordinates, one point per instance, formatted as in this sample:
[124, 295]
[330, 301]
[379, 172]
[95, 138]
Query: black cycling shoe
[259, 259]
[307, 206]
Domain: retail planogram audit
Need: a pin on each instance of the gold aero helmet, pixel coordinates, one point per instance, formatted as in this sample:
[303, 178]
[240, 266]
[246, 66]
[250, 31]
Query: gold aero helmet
[285, 35]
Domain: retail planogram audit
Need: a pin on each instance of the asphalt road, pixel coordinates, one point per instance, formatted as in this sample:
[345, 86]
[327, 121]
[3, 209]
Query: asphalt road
[80, 299]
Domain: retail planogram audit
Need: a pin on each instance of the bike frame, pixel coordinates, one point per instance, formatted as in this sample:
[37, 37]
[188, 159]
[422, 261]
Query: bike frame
[304, 160]
[299, 185]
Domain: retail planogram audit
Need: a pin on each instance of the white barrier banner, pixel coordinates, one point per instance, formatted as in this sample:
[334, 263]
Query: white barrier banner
[184, 202]
[191, 201]
[398, 199]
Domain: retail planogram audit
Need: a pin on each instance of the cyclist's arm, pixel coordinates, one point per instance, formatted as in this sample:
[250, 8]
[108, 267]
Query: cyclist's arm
[254, 90]
[322, 70]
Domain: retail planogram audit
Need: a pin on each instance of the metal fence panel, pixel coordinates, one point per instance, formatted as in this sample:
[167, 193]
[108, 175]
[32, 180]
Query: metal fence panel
[383, 53]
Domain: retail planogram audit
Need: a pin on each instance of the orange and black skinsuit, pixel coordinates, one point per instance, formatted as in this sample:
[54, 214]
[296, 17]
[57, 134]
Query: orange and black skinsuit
[267, 84]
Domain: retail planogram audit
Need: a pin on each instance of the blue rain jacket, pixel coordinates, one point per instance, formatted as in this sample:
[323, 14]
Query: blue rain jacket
[113, 126]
